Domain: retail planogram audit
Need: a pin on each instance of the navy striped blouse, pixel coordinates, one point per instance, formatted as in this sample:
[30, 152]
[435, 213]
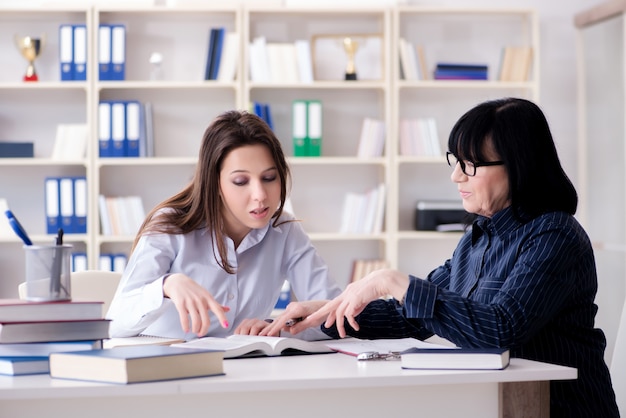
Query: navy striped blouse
[529, 286]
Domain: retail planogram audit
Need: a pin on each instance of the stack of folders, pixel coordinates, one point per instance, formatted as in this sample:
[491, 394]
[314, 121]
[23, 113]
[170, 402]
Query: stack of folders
[264, 111]
[307, 128]
[112, 262]
[66, 204]
[111, 52]
[125, 129]
[73, 52]
[31, 331]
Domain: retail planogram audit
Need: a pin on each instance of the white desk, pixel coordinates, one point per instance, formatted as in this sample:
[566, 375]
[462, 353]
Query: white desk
[326, 385]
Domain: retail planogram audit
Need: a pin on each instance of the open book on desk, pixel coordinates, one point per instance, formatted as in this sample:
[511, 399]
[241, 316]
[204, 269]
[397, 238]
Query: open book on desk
[257, 346]
[355, 346]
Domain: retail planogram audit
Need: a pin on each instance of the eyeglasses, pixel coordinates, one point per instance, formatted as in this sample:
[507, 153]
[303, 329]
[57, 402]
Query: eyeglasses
[467, 167]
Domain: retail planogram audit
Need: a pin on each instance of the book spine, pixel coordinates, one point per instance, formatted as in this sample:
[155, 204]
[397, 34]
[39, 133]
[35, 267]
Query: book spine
[118, 52]
[299, 128]
[314, 128]
[66, 52]
[79, 70]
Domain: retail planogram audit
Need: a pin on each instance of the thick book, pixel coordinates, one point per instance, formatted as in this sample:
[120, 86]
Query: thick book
[16, 366]
[48, 331]
[455, 358]
[136, 364]
[17, 149]
[257, 346]
[23, 310]
[45, 348]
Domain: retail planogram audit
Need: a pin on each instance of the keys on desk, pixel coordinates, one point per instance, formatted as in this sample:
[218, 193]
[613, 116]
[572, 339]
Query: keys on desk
[374, 355]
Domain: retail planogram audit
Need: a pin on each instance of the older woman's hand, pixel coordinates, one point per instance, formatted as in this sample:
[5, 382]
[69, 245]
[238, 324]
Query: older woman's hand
[354, 299]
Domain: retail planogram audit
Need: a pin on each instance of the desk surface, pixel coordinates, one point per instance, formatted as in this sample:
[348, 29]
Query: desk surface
[309, 372]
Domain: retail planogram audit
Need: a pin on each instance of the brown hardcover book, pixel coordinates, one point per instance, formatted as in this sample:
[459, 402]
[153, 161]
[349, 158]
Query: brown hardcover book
[136, 364]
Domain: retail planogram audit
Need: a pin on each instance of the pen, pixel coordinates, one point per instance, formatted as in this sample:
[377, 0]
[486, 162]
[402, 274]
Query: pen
[18, 228]
[55, 274]
[293, 321]
[59, 239]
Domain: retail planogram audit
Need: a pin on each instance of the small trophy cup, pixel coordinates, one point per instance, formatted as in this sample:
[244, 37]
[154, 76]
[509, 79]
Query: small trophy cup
[30, 48]
[350, 45]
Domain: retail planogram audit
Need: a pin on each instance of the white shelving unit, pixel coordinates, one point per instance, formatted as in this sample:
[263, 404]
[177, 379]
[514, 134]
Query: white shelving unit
[475, 36]
[184, 104]
[30, 112]
[321, 183]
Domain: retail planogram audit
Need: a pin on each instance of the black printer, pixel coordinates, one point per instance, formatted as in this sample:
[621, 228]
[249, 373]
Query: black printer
[442, 215]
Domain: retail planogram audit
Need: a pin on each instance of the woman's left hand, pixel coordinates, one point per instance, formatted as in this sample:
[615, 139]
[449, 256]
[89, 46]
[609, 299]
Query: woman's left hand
[295, 311]
[251, 326]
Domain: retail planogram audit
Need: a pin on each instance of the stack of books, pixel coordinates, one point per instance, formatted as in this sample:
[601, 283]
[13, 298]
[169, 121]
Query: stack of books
[372, 139]
[461, 71]
[31, 331]
[516, 63]
[280, 62]
[363, 267]
[419, 137]
[221, 62]
[412, 61]
[364, 213]
[121, 215]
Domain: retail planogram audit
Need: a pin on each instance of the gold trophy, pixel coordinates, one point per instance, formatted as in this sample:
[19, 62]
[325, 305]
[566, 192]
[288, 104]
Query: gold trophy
[350, 45]
[30, 48]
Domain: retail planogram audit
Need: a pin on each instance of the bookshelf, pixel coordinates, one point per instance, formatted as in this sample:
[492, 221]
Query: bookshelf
[184, 103]
[30, 112]
[445, 35]
[317, 196]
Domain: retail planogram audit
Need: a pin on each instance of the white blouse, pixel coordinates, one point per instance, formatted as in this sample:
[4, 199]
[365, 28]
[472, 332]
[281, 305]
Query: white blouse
[263, 261]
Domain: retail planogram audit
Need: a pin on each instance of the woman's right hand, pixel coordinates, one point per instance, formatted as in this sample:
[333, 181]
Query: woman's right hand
[193, 303]
[357, 295]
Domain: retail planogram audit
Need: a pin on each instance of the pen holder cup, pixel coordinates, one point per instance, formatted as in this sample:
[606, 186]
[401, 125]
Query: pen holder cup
[48, 270]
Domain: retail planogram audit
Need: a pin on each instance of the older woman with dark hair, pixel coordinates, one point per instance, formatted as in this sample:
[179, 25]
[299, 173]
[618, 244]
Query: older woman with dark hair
[522, 277]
